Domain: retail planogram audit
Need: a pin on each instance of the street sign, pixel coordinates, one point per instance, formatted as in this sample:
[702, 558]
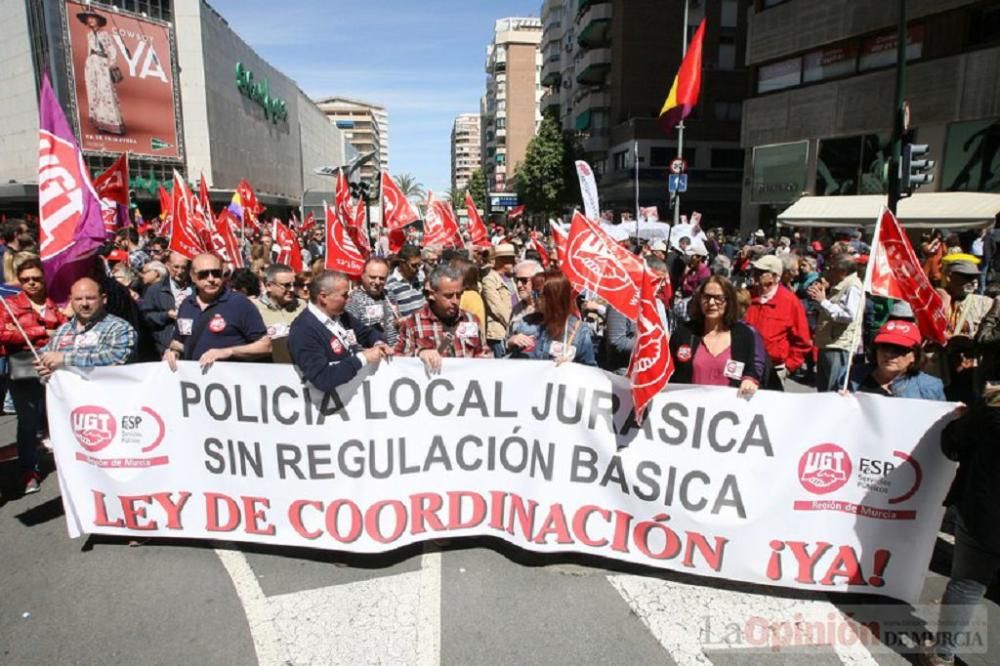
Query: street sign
[677, 182]
[678, 165]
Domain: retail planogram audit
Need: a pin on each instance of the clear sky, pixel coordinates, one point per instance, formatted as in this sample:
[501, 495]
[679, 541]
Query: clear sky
[423, 60]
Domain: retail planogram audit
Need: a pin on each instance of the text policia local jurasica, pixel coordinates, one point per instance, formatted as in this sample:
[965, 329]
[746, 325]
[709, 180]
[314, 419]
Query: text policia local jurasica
[334, 522]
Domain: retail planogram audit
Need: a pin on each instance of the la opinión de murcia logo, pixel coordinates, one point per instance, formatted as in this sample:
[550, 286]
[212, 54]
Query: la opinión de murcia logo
[824, 468]
[126, 442]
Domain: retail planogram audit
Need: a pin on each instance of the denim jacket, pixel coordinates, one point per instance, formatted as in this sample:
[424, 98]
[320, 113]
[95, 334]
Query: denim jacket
[531, 325]
[921, 385]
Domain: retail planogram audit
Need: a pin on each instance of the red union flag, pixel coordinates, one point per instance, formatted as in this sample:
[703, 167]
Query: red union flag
[516, 212]
[928, 309]
[224, 239]
[651, 365]
[560, 240]
[185, 230]
[341, 254]
[543, 253]
[883, 282]
[437, 232]
[450, 222]
[309, 222]
[291, 253]
[594, 262]
[477, 230]
[69, 210]
[356, 230]
[112, 188]
[397, 211]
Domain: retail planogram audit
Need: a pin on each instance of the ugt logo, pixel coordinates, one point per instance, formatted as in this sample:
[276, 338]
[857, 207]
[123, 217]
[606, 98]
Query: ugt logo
[824, 468]
[93, 426]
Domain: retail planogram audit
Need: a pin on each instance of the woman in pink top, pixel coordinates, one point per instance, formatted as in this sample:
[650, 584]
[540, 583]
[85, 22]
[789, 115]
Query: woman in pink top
[715, 348]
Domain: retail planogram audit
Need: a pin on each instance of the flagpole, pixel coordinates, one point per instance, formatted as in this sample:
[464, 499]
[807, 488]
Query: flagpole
[636, 148]
[866, 286]
[680, 126]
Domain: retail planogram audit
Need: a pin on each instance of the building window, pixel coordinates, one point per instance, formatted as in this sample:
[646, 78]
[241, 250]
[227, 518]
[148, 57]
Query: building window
[727, 53]
[501, 123]
[985, 25]
[779, 75]
[728, 110]
[880, 51]
[727, 158]
[621, 160]
[829, 62]
[661, 156]
[730, 14]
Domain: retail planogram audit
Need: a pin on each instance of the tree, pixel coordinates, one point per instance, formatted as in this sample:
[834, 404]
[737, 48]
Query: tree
[456, 195]
[545, 180]
[410, 186]
[477, 188]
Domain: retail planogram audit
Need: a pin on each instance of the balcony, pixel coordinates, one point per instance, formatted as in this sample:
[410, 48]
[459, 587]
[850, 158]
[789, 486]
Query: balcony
[593, 26]
[550, 100]
[596, 142]
[592, 68]
[592, 98]
[551, 69]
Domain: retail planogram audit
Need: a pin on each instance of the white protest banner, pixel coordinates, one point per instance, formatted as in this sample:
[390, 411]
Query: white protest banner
[812, 491]
[588, 190]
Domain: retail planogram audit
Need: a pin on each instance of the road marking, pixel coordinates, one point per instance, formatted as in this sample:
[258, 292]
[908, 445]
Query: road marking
[267, 641]
[429, 608]
[684, 617]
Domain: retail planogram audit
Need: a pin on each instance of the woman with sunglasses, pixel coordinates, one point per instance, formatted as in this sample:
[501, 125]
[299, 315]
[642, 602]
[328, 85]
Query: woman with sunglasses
[555, 330]
[303, 280]
[895, 370]
[39, 317]
[714, 348]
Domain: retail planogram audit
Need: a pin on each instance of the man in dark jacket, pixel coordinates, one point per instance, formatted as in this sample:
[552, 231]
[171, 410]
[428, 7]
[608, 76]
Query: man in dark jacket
[328, 345]
[163, 299]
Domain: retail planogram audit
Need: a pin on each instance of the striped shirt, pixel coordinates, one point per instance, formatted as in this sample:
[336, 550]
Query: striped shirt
[104, 340]
[407, 296]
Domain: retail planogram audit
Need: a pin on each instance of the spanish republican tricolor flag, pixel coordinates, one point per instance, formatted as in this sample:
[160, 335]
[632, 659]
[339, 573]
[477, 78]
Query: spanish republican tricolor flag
[687, 85]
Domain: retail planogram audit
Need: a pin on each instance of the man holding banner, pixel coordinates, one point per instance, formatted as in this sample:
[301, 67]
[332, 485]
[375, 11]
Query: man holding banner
[216, 323]
[329, 345]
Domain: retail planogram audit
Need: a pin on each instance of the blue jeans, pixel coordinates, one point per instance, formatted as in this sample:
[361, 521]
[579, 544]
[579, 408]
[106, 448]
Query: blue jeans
[972, 570]
[29, 404]
[832, 363]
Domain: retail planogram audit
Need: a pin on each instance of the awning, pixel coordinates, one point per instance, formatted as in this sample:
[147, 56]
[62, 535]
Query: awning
[931, 210]
[583, 121]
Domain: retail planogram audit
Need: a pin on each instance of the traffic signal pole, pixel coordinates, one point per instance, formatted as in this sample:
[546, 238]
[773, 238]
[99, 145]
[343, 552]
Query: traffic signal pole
[680, 126]
[896, 159]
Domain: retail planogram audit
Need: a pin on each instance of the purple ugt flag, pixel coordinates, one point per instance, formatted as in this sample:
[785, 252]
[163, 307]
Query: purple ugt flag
[69, 210]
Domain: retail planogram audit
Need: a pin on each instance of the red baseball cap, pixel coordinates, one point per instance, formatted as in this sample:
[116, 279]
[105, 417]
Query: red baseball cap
[117, 255]
[901, 333]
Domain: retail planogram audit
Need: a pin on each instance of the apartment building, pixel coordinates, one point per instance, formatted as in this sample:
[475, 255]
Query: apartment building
[465, 149]
[363, 123]
[510, 111]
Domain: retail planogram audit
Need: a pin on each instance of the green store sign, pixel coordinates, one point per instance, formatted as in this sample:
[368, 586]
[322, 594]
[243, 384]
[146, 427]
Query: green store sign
[275, 108]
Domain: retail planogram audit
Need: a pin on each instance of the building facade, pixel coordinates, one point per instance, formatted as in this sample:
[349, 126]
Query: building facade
[607, 68]
[510, 111]
[193, 97]
[823, 77]
[366, 127]
[465, 147]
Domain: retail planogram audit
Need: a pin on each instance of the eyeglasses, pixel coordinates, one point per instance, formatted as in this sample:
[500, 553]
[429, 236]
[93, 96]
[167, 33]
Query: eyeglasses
[285, 285]
[30, 278]
[209, 272]
[713, 298]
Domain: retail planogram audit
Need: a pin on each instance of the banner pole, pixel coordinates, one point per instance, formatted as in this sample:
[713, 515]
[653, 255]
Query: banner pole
[680, 126]
[636, 149]
[866, 286]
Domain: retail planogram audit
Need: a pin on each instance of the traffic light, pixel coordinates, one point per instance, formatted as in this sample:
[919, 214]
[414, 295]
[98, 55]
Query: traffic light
[916, 168]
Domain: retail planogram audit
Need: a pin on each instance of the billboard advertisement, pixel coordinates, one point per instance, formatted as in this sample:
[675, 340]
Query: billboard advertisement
[122, 82]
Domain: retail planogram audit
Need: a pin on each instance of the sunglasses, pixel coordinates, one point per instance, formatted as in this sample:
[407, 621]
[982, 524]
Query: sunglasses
[30, 278]
[209, 272]
[285, 285]
[303, 285]
[895, 350]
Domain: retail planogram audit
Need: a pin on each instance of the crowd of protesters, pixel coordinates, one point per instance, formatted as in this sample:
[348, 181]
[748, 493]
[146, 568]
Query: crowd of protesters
[748, 313]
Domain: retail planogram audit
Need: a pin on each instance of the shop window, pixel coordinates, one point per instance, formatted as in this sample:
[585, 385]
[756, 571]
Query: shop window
[779, 75]
[880, 50]
[829, 62]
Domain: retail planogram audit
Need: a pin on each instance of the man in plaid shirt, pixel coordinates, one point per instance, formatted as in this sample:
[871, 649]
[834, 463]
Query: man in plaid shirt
[440, 329]
[92, 337]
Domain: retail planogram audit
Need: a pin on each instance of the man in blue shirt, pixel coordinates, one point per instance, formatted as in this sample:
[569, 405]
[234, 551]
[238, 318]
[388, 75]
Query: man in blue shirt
[216, 323]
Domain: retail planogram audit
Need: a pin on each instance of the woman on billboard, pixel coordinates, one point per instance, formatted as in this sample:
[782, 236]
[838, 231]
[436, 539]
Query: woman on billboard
[101, 74]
